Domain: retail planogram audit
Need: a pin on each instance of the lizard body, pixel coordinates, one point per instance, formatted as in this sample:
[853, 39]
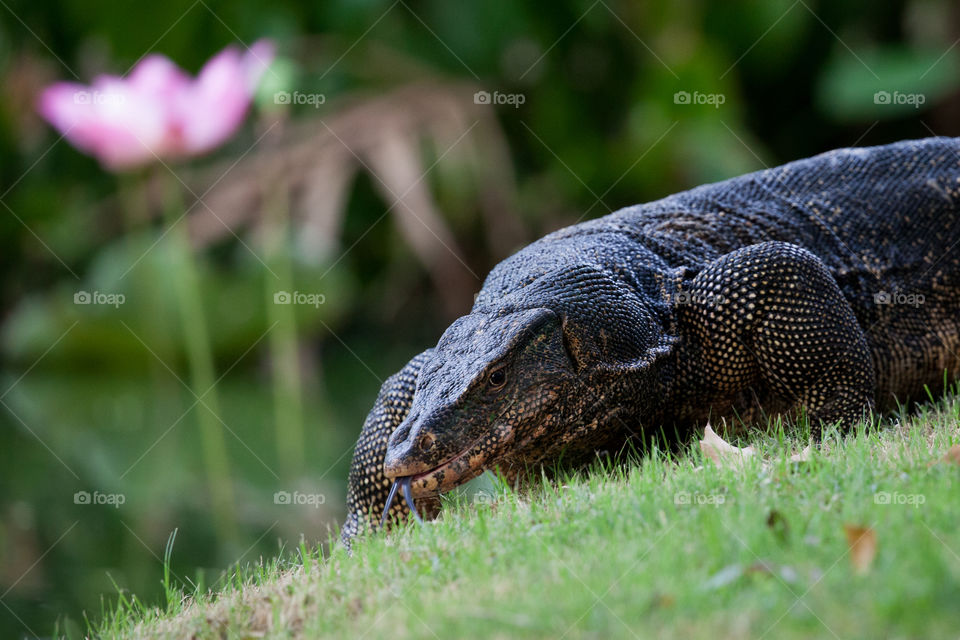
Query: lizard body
[829, 285]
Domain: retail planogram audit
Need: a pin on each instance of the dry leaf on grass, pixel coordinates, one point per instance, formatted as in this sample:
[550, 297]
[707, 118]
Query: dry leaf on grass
[952, 456]
[662, 601]
[724, 454]
[803, 456]
[863, 547]
[734, 572]
[779, 526]
[721, 452]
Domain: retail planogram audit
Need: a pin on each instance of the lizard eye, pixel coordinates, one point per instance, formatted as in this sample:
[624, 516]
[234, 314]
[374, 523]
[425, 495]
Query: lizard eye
[426, 442]
[498, 378]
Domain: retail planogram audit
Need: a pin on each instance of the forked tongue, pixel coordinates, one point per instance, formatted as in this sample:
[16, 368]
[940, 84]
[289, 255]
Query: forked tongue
[390, 497]
[404, 484]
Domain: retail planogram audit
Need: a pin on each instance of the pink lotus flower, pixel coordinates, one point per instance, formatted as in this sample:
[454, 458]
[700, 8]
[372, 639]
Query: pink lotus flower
[157, 111]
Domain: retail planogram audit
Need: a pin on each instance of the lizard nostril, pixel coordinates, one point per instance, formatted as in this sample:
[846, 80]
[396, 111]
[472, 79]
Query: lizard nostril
[426, 442]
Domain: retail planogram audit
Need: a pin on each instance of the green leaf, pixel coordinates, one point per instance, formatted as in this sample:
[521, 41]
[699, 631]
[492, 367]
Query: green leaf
[885, 83]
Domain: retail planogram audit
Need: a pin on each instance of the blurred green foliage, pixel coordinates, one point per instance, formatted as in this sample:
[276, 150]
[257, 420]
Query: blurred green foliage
[90, 393]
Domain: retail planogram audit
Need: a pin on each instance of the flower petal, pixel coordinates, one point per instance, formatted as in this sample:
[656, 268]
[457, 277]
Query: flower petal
[215, 105]
[156, 75]
[105, 120]
[63, 105]
[158, 111]
[257, 60]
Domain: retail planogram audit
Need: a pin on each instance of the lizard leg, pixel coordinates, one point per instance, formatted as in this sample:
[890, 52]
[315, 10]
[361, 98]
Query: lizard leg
[368, 487]
[770, 317]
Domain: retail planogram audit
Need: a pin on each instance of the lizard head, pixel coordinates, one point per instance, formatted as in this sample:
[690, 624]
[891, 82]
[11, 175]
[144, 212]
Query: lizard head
[495, 380]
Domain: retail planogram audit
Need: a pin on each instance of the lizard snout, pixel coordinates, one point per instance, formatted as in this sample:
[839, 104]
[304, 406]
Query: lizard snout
[410, 451]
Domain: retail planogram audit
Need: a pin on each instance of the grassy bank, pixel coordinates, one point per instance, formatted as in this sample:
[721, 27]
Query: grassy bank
[860, 541]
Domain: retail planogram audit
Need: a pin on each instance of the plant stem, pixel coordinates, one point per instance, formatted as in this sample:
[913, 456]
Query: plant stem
[152, 319]
[285, 359]
[200, 358]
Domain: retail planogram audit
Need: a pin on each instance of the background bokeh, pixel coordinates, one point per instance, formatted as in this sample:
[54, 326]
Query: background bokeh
[371, 174]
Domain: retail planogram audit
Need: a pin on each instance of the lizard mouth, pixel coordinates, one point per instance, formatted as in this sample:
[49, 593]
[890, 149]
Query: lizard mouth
[462, 467]
[451, 473]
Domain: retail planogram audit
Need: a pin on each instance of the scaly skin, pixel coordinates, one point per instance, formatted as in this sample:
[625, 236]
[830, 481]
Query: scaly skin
[368, 486]
[829, 285]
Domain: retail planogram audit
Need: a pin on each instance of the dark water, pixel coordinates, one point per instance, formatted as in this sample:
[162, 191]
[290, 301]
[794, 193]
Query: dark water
[95, 474]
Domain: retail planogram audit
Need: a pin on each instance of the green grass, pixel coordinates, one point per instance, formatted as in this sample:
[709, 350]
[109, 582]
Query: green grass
[618, 553]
